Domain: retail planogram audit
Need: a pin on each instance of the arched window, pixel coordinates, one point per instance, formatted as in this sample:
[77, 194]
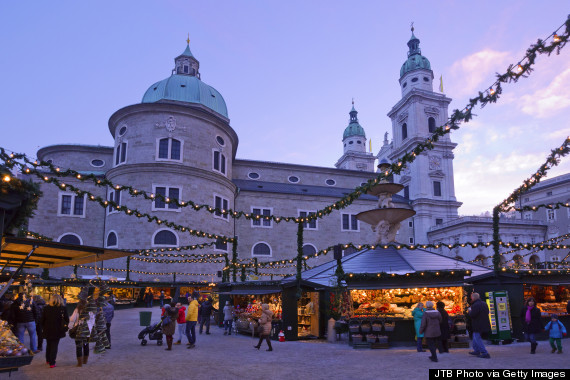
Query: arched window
[112, 239]
[459, 258]
[309, 249]
[165, 238]
[70, 239]
[534, 260]
[261, 249]
[404, 131]
[431, 125]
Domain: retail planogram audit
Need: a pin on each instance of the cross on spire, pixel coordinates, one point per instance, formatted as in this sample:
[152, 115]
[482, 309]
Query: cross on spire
[188, 39]
[412, 26]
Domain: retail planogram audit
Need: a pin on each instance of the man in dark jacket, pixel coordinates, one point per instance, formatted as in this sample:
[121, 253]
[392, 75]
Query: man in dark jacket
[25, 315]
[205, 313]
[479, 314]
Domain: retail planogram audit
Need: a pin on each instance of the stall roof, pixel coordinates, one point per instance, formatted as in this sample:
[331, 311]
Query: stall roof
[389, 260]
[48, 254]
[252, 291]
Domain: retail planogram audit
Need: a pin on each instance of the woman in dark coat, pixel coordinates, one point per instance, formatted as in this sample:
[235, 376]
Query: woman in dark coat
[444, 327]
[532, 322]
[54, 325]
[168, 329]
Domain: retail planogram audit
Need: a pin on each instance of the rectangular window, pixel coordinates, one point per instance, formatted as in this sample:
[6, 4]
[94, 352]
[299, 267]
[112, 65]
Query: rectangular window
[312, 225]
[219, 164]
[516, 239]
[66, 204]
[114, 196]
[532, 239]
[407, 192]
[163, 149]
[551, 215]
[480, 238]
[456, 240]
[121, 153]
[221, 245]
[175, 149]
[261, 222]
[71, 205]
[221, 204]
[436, 189]
[411, 240]
[527, 215]
[438, 222]
[172, 193]
[411, 223]
[169, 149]
[549, 194]
[349, 222]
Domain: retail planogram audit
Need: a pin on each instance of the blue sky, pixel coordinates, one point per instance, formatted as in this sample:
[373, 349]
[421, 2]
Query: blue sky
[288, 72]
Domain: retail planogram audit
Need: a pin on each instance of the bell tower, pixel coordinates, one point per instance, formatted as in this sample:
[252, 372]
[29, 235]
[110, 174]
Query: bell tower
[428, 181]
[355, 156]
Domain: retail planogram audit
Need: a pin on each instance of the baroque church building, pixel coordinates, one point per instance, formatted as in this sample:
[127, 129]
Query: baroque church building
[178, 142]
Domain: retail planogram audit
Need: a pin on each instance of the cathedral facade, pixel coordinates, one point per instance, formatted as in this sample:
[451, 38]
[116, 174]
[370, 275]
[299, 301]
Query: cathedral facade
[178, 142]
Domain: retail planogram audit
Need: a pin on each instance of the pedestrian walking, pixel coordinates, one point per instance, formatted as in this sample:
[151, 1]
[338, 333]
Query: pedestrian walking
[55, 321]
[169, 323]
[532, 323]
[109, 314]
[148, 298]
[81, 343]
[181, 322]
[430, 327]
[40, 304]
[205, 314]
[161, 298]
[192, 320]
[25, 318]
[265, 326]
[479, 314]
[228, 318]
[556, 331]
[444, 327]
[418, 313]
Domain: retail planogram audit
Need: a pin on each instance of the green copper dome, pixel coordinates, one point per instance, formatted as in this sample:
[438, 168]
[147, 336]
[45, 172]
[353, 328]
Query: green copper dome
[354, 128]
[184, 85]
[415, 58]
[186, 88]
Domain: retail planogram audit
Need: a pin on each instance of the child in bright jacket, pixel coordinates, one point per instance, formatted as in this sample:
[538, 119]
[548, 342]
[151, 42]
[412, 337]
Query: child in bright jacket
[557, 331]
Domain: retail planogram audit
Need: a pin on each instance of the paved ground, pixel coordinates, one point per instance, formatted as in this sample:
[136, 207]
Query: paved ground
[233, 357]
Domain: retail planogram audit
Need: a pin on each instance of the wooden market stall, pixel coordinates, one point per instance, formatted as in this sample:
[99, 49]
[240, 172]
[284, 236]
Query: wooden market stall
[33, 253]
[385, 284]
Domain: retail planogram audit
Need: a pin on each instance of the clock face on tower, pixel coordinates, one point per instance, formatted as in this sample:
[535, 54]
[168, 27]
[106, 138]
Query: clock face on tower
[434, 163]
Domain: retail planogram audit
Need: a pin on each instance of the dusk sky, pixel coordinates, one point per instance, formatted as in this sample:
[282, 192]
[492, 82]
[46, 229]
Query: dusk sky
[288, 72]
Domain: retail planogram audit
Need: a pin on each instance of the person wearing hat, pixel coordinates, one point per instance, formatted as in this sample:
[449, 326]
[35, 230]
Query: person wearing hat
[556, 331]
[228, 318]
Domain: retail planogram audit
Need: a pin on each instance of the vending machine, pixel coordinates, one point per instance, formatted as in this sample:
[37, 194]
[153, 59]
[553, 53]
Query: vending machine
[499, 316]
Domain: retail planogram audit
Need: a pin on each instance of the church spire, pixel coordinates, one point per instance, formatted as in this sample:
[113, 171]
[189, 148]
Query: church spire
[414, 44]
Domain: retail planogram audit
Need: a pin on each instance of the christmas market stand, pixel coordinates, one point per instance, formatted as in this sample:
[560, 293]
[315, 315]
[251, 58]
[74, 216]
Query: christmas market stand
[34, 253]
[549, 287]
[380, 287]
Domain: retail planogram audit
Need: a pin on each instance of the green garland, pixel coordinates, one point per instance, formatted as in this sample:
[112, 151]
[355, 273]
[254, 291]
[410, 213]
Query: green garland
[28, 191]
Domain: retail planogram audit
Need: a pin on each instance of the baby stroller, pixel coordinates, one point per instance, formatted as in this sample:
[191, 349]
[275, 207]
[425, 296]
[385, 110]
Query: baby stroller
[154, 333]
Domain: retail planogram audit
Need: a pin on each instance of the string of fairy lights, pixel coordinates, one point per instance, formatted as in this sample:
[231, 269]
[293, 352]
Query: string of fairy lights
[554, 43]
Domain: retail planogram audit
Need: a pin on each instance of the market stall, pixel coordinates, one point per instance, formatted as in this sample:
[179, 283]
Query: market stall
[247, 298]
[385, 284]
[33, 253]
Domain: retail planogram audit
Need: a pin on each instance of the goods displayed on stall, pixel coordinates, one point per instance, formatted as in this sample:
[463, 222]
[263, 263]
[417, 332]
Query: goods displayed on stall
[125, 296]
[308, 315]
[248, 311]
[399, 303]
[549, 299]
